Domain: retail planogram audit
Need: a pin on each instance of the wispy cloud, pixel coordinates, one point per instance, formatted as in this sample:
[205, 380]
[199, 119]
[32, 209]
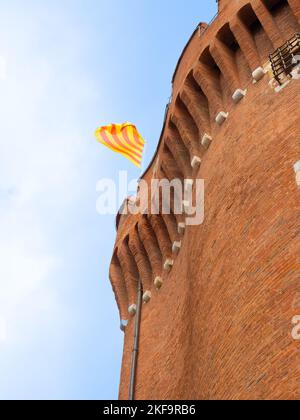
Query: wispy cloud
[41, 177]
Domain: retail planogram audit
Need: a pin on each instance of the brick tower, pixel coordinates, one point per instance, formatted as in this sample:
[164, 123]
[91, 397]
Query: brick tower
[221, 296]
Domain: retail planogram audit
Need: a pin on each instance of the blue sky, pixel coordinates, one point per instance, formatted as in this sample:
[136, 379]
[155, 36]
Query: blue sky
[67, 66]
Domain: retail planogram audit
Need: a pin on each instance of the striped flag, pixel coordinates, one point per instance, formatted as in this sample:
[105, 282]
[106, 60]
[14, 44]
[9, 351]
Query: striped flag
[123, 139]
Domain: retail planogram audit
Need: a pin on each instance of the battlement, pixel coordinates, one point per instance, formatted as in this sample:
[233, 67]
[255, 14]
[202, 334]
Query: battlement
[216, 71]
[217, 298]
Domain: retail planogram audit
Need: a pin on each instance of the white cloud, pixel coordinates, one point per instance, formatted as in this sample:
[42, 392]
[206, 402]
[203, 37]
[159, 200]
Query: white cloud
[41, 176]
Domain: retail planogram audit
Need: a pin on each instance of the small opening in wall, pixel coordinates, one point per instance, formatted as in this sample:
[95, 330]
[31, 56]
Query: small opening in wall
[250, 19]
[275, 6]
[176, 139]
[226, 36]
[194, 85]
[199, 96]
[214, 76]
[187, 120]
[207, 59]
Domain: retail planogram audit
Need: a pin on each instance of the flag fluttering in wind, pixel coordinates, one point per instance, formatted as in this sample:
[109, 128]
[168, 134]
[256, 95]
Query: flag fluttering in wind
[124, 139]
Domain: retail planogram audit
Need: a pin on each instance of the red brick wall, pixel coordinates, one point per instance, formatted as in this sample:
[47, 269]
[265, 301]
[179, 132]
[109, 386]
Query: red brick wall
[220, 327]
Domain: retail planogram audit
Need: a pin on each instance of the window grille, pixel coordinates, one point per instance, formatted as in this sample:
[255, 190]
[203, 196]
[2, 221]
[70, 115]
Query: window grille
[284, 59]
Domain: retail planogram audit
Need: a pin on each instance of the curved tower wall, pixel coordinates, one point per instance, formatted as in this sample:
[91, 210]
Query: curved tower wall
[220, 326]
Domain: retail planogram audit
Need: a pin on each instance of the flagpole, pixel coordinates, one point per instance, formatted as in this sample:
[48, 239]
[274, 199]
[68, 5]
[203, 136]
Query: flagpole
[135, 350]
[143, 159]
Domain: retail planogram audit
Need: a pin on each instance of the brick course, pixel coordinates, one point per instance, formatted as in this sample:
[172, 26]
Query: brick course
[220, 327]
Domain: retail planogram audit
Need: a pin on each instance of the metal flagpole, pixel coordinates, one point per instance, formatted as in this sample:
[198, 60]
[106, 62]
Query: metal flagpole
[135, 349]
[143, 160]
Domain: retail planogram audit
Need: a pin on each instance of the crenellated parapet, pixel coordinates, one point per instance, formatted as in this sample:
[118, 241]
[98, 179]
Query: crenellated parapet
[221, 64]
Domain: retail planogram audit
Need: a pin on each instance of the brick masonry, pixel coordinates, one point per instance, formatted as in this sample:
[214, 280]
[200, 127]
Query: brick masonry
[220, 327]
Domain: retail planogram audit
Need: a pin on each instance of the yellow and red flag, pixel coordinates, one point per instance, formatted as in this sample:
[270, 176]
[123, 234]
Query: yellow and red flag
[124, 139]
